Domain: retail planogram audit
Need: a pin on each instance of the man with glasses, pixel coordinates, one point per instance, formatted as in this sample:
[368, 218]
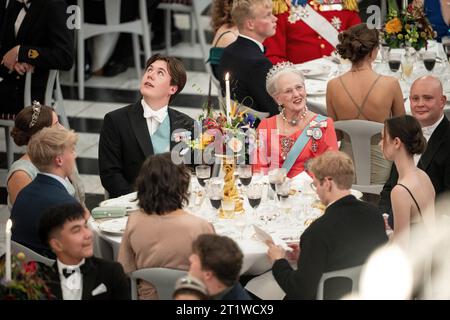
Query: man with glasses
[343, 237]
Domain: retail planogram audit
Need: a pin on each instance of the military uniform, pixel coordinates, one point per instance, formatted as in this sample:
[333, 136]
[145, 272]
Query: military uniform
[299, 42]
[45, 42]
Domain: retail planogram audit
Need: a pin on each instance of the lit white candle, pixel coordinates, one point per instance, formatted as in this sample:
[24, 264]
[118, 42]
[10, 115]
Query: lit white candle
[8, 251]
[227, 97]
[405, 4]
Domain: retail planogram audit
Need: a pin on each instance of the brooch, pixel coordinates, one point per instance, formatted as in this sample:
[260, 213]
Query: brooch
[315, 132]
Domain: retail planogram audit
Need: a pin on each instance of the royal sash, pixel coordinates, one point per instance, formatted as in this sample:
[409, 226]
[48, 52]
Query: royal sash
[321, 25]
[299, 145]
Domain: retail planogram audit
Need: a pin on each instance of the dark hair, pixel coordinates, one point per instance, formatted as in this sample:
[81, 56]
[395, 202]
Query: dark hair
[176, 71]
[221, 13]
[162, 186]
[221, 255]
[357, 42]
[55, 218]
[22, 133]
[408, 130]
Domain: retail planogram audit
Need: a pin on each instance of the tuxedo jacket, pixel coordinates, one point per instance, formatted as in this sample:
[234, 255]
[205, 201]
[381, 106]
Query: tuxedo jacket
[125, 143]
[237, 292]
[102, 280]
[435, 161]
[248, 67]
[343, 237]
[32, 201]
[45, 42]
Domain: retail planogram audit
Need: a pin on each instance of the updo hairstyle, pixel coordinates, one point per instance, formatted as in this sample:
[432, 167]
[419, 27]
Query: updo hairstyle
[408, 130]
[22, 132]
[357, 42]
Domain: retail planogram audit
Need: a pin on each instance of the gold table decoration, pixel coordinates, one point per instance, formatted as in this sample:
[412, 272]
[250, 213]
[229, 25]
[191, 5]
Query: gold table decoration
[230, 192]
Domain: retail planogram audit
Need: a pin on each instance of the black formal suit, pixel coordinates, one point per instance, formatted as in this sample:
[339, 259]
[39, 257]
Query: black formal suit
[125, 143]
[435, 161]
[45, 42]
[32, 201]
[248, 67]
[95, 273]
[344, 236]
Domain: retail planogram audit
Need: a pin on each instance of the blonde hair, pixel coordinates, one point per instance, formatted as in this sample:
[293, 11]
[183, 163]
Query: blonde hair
[334, 164]
[244, 9]
[49, 143]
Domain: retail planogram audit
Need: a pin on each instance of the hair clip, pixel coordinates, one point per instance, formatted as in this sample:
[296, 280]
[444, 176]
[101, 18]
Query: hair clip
[36, 111]
[279, 67]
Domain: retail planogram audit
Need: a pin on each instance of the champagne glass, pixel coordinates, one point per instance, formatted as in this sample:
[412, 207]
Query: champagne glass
[202, 172]
[407, 64]
[254, 195]
[429, 60]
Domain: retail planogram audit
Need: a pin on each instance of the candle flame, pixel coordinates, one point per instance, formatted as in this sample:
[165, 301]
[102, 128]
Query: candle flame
[8, 225]
[227, 76]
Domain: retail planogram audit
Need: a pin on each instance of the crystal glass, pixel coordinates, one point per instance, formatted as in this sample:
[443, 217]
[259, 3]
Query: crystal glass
[202, 172]
[429, 60]
[384, 52]
[214, 190]
[228, 206]
[245, 173]
[283, 189]
[277, 176]
[394, 61]
[254, 195]
[240, 222]
[407, 63]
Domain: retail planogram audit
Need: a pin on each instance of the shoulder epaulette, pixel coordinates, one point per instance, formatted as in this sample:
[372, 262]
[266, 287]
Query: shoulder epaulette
[351, 5]
[279, 6]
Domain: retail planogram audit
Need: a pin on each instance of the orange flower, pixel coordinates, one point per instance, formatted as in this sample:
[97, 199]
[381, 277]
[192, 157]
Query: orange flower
[394, 26]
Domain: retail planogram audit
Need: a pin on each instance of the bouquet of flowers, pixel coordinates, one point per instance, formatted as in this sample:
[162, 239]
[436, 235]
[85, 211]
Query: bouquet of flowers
[216, 132]
[408, 28]
[27, 283]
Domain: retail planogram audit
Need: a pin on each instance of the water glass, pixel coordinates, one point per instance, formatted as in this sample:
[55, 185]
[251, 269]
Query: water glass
[228, 207]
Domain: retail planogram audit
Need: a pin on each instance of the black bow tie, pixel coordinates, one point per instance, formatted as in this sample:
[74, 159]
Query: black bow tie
[67, 272]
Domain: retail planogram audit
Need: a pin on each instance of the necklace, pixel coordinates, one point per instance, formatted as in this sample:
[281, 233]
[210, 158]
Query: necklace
[293, 122]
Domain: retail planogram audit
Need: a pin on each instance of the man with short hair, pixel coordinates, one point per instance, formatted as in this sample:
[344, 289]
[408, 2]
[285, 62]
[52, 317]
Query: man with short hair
[427, 102]
[130, 134]
[217, 261]
[76, 274]
[244, 59]
[343, 237]
[52, 151]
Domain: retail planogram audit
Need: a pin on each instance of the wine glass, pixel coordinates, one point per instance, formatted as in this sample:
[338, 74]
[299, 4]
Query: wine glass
[277, 176]
[214, 189]
[202, 172]
[240, 222]
[254, 195]
[429, 60]
[407, 64]
[283, 189]
[394, 61]
[245, 174]
[384, 52]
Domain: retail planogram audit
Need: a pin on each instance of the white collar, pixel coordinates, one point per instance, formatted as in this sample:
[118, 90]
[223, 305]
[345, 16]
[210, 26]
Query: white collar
[260, 45]
[159, 115]
[430, 129]
[54, 176]
[62, 266]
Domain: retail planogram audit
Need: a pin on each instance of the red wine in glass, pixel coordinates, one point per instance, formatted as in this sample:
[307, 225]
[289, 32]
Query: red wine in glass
[429, 64]
[254, 202]
[216, 202]
[394, 65]
[245, 180]
[202, 180]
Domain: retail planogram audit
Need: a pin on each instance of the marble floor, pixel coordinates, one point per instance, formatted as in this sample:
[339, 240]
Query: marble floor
[106, 94]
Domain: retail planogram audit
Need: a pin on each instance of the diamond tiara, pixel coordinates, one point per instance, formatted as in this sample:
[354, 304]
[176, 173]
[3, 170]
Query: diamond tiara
[279, 67]
[36, 111]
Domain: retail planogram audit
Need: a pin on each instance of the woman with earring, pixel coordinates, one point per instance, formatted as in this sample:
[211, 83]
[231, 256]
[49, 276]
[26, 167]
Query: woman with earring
[300, 133]
[363, 94]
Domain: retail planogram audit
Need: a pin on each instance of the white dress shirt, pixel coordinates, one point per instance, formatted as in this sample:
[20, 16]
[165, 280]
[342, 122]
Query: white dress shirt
[154, 118]
[427, 132]
[260, 45]
[72, 286]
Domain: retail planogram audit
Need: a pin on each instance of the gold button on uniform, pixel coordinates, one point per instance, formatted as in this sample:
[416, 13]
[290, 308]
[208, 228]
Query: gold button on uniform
[322, 46]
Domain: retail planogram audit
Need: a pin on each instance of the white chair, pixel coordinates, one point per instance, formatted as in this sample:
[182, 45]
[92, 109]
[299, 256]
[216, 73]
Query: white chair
[30, 255]
[113, 24]
[53, 97]
[352, 273]
[360, 132]
[194, 8]
[163, 279]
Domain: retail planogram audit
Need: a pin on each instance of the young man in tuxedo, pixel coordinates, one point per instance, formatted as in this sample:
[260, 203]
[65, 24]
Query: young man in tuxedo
[130, 134]
[76, 274]
[427, 102]
[343, 237]
[244, 59]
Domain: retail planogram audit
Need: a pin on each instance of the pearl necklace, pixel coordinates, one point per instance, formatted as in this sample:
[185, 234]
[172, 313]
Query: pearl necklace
[294, 122]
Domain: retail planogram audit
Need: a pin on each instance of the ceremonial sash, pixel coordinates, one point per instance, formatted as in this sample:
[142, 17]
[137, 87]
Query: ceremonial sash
[299, 145]
[321, 25]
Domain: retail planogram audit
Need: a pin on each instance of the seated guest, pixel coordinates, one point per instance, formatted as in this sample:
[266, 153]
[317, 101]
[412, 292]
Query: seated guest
[244, 59]
[161, 233]
[225, 31]
[427, 102]
[76, 274]
[304, 37]
[412, 198]
[438, 13]
[130, 134]
[301, 134]
[217, 261]
[343, 237]
[52, 151]
[361, 93]
[27, 122]
[190, 288]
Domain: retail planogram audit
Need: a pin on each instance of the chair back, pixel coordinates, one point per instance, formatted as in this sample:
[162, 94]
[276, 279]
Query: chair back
[352, 273]
[360, 132]
[30, 255]
[163, 279]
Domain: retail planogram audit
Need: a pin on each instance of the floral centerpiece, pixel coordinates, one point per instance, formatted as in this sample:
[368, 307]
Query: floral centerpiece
[27, 283]
[407, 28]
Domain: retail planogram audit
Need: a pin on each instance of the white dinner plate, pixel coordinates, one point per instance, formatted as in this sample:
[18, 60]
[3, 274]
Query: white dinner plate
[129, 201]
[313, 70]
[114, 226]
[315, 87]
